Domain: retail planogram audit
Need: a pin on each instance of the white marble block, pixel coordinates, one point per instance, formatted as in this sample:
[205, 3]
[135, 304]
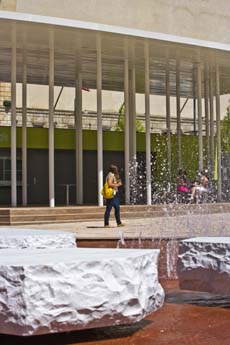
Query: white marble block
[30, 238]
[45, 291]
[204, 264]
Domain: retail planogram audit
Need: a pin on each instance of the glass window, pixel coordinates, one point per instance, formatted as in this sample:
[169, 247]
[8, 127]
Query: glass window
[5, 169]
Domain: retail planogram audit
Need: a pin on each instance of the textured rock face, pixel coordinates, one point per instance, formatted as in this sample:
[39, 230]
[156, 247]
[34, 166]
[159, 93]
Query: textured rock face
[29, 238]
[204, 264]
[44, 291]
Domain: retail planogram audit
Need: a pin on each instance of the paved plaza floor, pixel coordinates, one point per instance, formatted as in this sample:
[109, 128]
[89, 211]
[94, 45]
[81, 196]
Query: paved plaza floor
[161, 227]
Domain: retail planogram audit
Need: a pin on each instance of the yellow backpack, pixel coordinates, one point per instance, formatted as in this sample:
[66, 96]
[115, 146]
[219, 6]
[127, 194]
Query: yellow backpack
[107, 192]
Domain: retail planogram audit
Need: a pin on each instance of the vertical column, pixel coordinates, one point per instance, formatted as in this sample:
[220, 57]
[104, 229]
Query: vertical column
[99, 123]
[126, 97]
[168, 123]
[132, 109]
[51, 120]
[133, 114]
[212, 153]
[147, 126]
[199, 106]
[178, 112]
[78, 141]
[130, 115]
[24, 131]
[13, 120]
[194, 101]
[206, 104]
[132, 128]
[218, 133]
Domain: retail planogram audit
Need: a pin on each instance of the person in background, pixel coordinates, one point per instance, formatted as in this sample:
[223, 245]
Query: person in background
[182, 182]
[182, 185]
[201, 187]
[114, 181]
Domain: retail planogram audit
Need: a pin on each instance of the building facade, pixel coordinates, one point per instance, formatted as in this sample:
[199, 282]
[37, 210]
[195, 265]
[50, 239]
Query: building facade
[153, 49]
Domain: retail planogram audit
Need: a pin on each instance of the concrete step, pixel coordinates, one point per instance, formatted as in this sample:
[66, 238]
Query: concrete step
[37, 215]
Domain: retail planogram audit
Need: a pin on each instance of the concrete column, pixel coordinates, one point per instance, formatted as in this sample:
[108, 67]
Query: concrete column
[133, 114]
[147, 126]
[168, 124]
[99, 123]
[78, 141]
[24, 132]
[199, 106]
[130, 115]
[51, 120]
[194, 100]
[126, 97]
[132, 128]
[206, 95]
[212, 151]
[178, 110]
[218, 133]
[132, 109]
[13, 119]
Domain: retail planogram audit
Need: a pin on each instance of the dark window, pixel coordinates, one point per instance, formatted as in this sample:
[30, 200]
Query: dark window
[5, 170]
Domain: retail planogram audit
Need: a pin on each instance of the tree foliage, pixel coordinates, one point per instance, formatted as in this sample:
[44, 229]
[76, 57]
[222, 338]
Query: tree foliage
[225, 131]
[120, 125]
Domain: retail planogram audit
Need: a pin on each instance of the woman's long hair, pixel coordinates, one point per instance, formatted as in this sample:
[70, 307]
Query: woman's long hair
[114, 170]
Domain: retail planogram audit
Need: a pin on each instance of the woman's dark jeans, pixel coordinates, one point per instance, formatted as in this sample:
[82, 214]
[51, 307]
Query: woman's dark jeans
[110, 203]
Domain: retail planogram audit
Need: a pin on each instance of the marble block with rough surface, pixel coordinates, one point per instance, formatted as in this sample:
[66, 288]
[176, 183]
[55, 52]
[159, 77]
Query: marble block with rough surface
[204, 264]
[30, 238]
[46, 291]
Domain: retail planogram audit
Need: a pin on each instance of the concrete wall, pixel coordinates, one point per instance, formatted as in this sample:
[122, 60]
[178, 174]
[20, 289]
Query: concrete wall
[203, 19]
[9, 5]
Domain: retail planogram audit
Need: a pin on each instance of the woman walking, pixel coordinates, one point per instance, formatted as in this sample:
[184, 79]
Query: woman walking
[113, 181]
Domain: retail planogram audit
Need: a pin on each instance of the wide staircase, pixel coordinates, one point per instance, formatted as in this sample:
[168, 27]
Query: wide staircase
[43, 215]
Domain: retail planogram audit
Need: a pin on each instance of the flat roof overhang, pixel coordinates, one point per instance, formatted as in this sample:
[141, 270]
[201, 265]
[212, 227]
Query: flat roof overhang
[76, 50]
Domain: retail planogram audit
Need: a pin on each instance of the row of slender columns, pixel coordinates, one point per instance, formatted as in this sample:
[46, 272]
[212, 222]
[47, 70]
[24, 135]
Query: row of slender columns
[79, 172]
[209, 119]
[130, 123]
[209, 123]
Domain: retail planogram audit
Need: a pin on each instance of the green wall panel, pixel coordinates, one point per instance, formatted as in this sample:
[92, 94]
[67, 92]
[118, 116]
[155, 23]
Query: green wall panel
[5, 137]
[114, 141]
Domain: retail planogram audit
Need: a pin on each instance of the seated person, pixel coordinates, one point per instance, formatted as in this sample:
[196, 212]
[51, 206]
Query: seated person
[182, 182]
[200, 188]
